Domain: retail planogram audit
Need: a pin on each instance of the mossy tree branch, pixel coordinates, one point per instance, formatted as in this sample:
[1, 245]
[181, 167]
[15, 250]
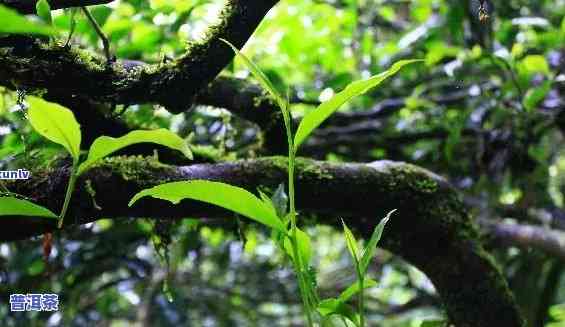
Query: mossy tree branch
[27, 64]
[248, 101]
[432, 230]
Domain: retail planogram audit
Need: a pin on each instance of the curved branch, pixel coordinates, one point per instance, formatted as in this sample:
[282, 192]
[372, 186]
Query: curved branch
[24, 63]
[527, 236]
[432, 229]
[367, 135]
[250, 102]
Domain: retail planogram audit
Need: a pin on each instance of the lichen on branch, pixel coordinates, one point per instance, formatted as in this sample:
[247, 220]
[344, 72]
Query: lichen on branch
[25, 63]
[432, 229]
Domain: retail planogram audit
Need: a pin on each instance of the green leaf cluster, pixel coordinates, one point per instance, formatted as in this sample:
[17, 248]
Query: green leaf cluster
[14, 23]
[58, 124]
[272, 212]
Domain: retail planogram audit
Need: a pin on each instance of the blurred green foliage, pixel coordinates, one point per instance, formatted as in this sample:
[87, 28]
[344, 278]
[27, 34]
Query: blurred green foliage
[486, 111]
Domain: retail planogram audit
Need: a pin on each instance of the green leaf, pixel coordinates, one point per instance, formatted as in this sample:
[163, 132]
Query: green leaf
[371, 246]
[535, 95]
[433, 323]
[304, 247]
[223, 195]
[55, 123]
[267, 200]
[35, 268]
[43, 10]
[351, 243]
[534, 64]
[267, 85]
[14, 23]
[332, 306]
[259, 75]
[280, 200]
[316, 117]
[328, 306]
[354, 289]
[557, 311]
[19, 207]
[106, 145]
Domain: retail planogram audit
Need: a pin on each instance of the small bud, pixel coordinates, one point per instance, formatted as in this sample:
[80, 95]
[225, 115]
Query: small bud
[483, 11]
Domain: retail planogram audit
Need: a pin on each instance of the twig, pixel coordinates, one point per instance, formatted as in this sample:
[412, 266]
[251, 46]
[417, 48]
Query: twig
[98, 29]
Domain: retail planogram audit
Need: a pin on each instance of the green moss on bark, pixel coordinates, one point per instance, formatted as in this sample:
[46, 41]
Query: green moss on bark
[432, 230]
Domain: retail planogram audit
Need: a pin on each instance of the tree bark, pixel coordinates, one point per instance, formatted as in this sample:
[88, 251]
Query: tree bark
[432, 230]
[27, 64]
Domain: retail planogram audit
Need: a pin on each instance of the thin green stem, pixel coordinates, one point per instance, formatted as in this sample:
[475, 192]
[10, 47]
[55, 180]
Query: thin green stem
[291, 158]
[298, 265]
[98, 29]
[303, 291]
[361, 304]
[361, 297]
[302, 282]
[69, 193]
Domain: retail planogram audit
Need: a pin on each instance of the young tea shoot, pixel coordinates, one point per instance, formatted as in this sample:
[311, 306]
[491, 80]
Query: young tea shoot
[58, 124]
[272, 212]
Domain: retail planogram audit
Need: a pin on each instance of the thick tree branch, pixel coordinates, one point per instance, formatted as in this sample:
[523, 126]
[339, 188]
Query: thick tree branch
[388, 107]
[247, 100]
[432, 230]
[238, 96]
[368, 135]
[250, 102]
[527, 236]
[361, 128]
[28, 6]
[26, 64]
